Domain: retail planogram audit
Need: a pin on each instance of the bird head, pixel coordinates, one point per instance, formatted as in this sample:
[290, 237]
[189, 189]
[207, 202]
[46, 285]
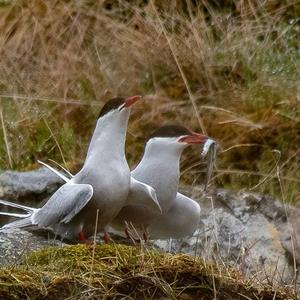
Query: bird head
[118, 105]
[176, 137]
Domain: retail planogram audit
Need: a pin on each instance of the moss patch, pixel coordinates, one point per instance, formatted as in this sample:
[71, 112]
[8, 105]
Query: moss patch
[118, 271]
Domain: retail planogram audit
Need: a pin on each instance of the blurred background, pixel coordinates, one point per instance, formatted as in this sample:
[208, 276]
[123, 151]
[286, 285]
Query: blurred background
[228, 68]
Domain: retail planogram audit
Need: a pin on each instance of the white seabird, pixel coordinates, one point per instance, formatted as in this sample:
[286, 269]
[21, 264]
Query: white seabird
[102, 185]
[159, 168]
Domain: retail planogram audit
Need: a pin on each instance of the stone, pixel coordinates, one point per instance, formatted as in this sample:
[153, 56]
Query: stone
[35, 185]
[15, 244]
[247, 231]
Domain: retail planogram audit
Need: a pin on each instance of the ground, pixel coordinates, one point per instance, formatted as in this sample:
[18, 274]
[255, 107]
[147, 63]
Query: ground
[118, 271]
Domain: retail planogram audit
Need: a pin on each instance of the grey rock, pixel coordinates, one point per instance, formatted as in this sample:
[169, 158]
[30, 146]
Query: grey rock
[15, 244]
[36, 184]
[254, 233]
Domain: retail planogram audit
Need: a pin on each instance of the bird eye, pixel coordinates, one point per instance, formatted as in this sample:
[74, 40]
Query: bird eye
[122, 106]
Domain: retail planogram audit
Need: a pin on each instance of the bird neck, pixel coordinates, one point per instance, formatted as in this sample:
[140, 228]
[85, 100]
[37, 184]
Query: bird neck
[160, 169]
[161, 157]
[108, 140]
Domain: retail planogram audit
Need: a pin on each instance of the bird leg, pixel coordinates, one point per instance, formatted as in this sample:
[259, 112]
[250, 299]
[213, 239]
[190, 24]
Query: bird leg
[106, 238]
[145, 233]
[127, 232]
[145, 237]
[83, 238]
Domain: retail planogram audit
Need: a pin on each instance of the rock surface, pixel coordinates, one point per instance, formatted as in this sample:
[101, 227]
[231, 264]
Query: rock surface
[254, 233]
[36, 184]
[16, 243]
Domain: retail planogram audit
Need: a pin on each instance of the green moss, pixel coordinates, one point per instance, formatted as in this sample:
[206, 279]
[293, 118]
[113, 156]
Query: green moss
[116, 271]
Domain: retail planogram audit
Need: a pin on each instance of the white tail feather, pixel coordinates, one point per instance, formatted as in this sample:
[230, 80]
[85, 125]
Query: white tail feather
[2, 213]
[18, 224]
[62, 167]
[63, 177]
[11, 204]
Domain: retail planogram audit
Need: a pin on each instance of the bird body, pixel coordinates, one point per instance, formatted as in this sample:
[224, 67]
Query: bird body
[160, 171]
[181, 220]
[107, 171]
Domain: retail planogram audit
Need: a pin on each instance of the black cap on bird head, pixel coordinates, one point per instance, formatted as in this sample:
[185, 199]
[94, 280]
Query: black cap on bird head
[118, 103]
[169, 131]
[176, 131]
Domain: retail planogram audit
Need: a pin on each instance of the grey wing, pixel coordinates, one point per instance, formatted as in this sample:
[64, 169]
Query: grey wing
[142, 194]
[64, 204]
[183, 200]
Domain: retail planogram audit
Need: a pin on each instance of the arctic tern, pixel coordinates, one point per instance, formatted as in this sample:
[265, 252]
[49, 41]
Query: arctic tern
[101, 186]
[159, 168]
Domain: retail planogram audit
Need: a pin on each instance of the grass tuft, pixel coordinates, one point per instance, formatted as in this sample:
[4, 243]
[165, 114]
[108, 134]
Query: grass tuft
[120, 271]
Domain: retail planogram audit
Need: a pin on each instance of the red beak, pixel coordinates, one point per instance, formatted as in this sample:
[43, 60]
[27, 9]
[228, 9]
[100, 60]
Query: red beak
[131, 100]
[195, 138]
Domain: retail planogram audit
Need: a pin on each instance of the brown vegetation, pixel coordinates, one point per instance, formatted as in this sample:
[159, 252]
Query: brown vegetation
[232, 70]
[124, 272]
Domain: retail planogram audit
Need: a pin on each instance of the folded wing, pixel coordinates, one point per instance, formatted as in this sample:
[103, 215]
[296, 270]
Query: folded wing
[143, 194]
[64, 204]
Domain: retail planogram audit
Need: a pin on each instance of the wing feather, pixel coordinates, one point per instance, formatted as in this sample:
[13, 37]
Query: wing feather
[64, 204]
[143, 194]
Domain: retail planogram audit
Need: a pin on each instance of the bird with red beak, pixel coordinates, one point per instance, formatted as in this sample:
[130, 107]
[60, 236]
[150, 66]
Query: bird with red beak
[160, 169]
[92, 198]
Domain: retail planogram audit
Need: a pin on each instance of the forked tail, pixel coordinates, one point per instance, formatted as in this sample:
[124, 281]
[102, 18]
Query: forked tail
[15, 205]
[19, 223]
[63, 177]
[25, 218]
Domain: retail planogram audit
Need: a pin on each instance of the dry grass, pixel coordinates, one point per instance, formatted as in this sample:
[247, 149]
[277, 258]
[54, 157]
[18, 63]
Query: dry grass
[124, 272]
[232, 71]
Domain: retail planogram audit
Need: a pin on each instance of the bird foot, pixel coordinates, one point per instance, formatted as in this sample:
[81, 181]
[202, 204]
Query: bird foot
[145, 237]
[83, 239]
[106, 238]
[127, 233]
